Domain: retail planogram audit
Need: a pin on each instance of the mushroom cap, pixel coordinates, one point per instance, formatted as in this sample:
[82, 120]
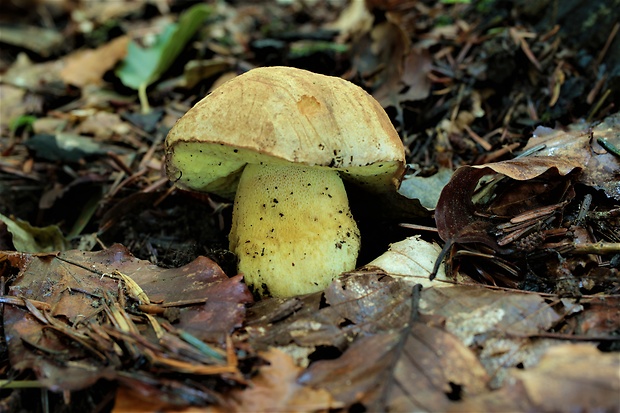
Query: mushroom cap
[284, 115]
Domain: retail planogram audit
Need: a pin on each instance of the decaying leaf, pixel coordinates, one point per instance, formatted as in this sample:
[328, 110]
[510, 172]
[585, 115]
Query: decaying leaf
[474, 314]
[571, 377]
[426, 189]
[87, 67]
[461, 85]
[600, 316]
[27, 238]
[537, 209]
[76, 317]
[460, 220]
[361, 324]
[277, 388]
[507, 329]
[413, 259]
[601, 166]
[363, 302]
[362, 374]
[583, 378]
[434, 371]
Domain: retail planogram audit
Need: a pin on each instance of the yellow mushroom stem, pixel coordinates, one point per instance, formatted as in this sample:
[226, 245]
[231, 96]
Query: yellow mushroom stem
[292, 229]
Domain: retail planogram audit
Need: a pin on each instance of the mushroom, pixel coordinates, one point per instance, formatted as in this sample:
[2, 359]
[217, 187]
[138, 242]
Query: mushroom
[279, 139]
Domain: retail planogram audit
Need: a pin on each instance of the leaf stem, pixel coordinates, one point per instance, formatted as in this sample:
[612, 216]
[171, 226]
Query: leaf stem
[20, 384]
[144, 100]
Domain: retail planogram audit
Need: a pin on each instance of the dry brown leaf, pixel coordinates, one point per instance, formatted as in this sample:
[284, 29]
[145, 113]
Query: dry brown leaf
[415, 84]
[13, 104]
[473, 311]
[601, 169]
[412, 259]
[569, 378]
[103, 126]
[276, 388]
[601, 316]
[362, 374]
[434, 368]
[503, 326]
[459, 220]
[354, 20]
[86, 67]
[574, 378]
[35, 77]
[102, 12]
[367, 302]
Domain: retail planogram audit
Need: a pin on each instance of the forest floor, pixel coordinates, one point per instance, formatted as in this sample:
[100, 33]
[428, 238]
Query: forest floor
[120, 293]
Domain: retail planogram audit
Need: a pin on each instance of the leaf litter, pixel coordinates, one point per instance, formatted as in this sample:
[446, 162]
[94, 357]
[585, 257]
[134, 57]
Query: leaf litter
[464, 84]
[539, 207]
[78, 317]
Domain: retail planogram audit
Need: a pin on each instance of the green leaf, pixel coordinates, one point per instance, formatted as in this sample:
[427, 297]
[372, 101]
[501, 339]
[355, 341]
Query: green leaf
[308, 48]
[140, 64]
[425, 189]
[143, 66]
[27, 238]
[22, 121]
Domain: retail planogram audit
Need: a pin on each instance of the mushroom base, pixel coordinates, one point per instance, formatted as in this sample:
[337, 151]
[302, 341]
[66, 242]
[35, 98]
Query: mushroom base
[292, 229]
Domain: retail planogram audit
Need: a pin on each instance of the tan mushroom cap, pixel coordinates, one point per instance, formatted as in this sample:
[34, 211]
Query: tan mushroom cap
[284, 115]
